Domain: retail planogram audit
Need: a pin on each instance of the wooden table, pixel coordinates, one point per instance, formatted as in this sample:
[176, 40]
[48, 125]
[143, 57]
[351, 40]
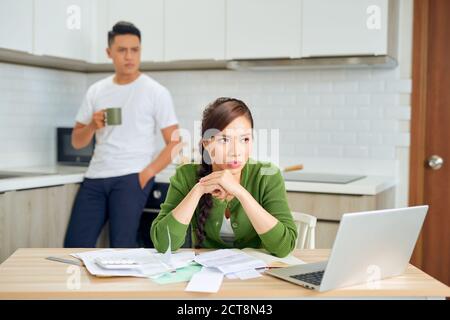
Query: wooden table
[28, 275]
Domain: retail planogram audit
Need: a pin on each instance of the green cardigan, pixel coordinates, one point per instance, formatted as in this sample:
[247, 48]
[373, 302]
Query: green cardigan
[267, 189]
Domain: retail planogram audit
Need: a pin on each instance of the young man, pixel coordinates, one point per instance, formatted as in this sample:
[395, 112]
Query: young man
[121, 172]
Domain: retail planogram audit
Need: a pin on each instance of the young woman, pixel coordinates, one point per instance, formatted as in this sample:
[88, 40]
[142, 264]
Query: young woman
[230, 200]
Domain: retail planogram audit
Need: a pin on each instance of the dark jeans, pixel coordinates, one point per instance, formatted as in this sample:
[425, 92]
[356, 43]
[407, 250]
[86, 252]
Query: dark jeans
[119, 199]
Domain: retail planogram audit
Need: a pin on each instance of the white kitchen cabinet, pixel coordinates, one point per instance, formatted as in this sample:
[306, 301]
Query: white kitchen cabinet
[329, 208]
[62, 28]
[37, 218]
[344, 27]
[16, 18]
[148, 17]
[263, 29]
[194, 30]
[177, 30]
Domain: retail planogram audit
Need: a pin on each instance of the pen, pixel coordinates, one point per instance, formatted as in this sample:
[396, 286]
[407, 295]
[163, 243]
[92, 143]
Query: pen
[74, 262]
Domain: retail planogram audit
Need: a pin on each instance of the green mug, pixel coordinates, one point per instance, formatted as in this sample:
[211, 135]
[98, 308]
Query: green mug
[113, 116]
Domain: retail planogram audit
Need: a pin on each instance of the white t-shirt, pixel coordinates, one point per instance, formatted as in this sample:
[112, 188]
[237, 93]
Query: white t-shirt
[129, 147]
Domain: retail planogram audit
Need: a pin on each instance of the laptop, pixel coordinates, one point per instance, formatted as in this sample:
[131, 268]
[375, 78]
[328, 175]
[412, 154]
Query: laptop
[369, 246]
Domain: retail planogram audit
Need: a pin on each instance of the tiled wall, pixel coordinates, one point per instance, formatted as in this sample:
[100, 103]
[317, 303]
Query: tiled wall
[358, 117]
[336, 120]
[354, 117]
[33, 102]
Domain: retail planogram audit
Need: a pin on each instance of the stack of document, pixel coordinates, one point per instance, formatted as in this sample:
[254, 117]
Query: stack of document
[205, 272]
[234, 264]
[149, 262]
[272, 261]
[230, 261]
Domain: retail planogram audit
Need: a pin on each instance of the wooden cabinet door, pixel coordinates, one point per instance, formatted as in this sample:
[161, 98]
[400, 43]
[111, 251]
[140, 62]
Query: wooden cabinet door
[329, 208]
[35, 218]
[430, 130]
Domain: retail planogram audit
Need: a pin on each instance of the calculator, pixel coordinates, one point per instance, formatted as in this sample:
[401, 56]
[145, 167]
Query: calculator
[116, 263]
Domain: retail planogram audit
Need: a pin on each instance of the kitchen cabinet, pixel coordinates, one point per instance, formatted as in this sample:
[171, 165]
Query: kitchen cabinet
[17, 25]
[263, 29]
[146, 15]
[37, 218]
[345, 27]
[194, 30]
[198, 30]
[62, 28]
[329, 208]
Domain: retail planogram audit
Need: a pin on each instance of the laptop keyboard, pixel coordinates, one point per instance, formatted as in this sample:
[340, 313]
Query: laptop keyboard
[314, 278]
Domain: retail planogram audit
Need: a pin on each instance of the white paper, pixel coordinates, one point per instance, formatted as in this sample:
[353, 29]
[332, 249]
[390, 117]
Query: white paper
[229, 261]
[181, 259]
[269, 259]
[233, 276]
[248, 274]
[151, 263]
[207, 280]
[168, 254]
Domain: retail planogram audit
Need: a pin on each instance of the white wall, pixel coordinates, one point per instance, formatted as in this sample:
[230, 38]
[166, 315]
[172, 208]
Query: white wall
[33, 102]
[342, 120]
[347, 121]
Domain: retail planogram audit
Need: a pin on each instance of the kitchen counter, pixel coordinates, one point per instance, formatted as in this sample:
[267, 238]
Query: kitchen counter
[56, 175]
[370, 185]
[59, 175]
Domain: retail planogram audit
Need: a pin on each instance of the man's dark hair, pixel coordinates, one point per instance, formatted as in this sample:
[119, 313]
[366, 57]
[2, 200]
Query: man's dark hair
[123, 27]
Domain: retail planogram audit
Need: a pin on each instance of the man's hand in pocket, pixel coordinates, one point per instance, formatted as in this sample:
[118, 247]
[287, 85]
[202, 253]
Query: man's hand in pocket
[144, 177]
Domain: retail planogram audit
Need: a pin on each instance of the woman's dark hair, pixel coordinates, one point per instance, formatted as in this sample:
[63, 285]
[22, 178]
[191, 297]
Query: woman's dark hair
[217, 116]
[120, 28]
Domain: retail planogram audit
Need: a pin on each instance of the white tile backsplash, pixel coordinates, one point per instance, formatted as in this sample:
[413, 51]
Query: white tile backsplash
[337, 113]
[330, 120]
[33, 102]
[338, 120]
